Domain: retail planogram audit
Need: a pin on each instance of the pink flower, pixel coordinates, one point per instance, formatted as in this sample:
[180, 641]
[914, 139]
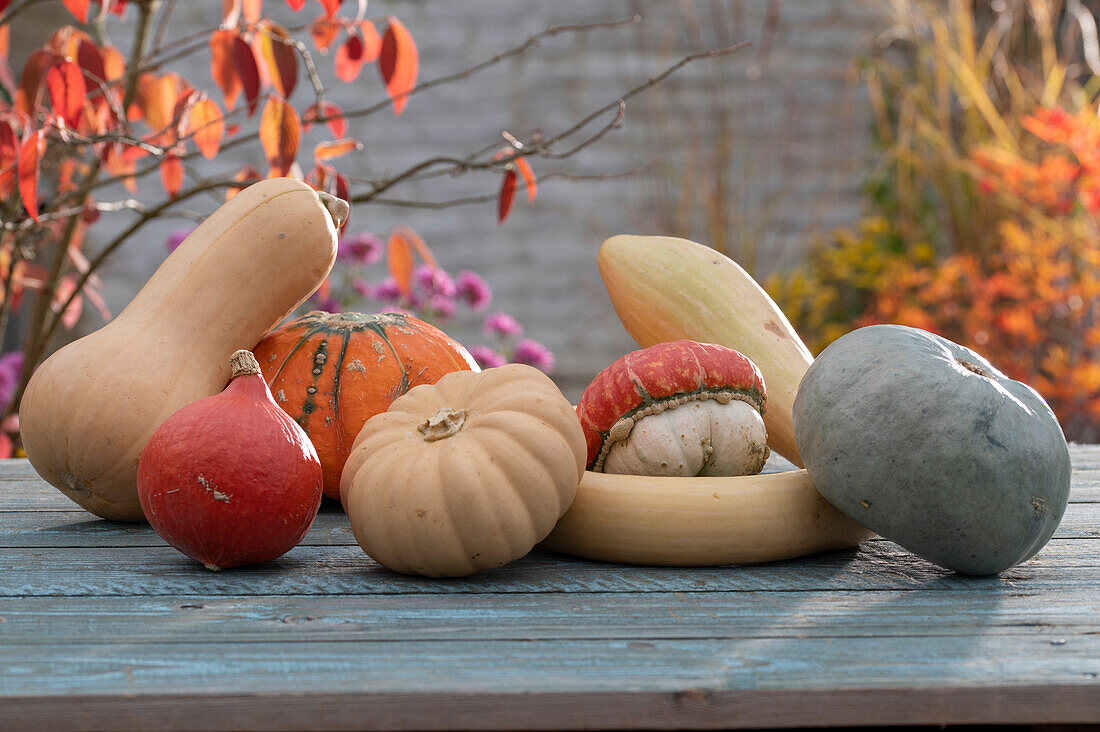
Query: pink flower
[534, 354]
[502, 324]
[176, 238]
[474, 290]
[442, 306]
[434, 280]
[365, 249]
[363, 288]
[387, 291]
[11, 366]
[486, 357]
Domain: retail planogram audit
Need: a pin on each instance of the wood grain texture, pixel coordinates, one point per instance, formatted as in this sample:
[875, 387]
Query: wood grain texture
[103, 626]
[544, 616]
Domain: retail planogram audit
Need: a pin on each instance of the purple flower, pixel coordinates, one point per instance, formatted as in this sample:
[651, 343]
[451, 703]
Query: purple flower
[442, 306]
[11, 366]
[486, 357]
[176, 238]
[434, 280]
[328, 304]
[387, 291]
[534, 354]
[474, 290]
[365, 249]
[502, 324]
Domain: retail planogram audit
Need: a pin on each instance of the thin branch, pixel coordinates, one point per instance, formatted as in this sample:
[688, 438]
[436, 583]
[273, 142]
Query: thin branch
[162, 25]
[485, 198]
[542, 148]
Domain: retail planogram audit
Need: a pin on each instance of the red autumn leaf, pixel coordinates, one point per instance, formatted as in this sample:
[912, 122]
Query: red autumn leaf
[181, 111]
[372, 42]
[279, 58]
[507, 193]
[114, 63]
[9, 154]
[248, 72]
[79, 8]
[66, 84]
[334, 118]
[330, 6]
[279, 134]
[418, 245]
[222, 67]
[400, 261]
[349, 59]
[95, 75]
[398, 63]
[65, 40]
[155, 100]
[296, 5]
[247, 173]
[171, 174]
[28, 96]
[65, 288]
[5, 41]
[528, 175]
[324, 31]
[30, 155]
[119, 167]
[207, 126]
[3, 5]
[337, 148]
[118, 8]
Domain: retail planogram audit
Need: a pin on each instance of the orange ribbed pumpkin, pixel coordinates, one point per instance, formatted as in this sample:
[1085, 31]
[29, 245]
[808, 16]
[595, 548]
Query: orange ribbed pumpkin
[332, 372]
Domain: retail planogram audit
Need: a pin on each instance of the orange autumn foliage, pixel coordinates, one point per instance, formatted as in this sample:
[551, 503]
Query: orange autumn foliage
[1032, 306]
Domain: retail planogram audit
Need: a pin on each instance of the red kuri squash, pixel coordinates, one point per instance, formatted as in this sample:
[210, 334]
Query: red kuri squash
[332, 372]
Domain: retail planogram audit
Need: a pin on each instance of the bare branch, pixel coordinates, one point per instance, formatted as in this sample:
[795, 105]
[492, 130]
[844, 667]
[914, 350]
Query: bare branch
[542, 147]
[485, 198]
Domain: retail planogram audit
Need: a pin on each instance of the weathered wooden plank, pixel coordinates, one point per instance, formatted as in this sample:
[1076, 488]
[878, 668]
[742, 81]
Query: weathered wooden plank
[877, 565]
[687, 708]
[78, 529]
[442, 667]
[546, 616]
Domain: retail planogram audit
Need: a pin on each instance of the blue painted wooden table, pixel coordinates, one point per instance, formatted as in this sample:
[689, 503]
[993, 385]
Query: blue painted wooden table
[103, 626]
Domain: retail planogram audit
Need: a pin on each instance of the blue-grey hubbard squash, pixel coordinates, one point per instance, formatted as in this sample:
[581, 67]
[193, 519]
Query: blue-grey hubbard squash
[924, 442]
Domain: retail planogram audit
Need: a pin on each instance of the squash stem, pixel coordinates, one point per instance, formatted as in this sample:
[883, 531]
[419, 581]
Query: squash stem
[443, 424]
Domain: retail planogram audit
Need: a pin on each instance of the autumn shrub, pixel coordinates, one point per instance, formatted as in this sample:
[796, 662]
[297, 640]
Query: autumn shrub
[985, 202]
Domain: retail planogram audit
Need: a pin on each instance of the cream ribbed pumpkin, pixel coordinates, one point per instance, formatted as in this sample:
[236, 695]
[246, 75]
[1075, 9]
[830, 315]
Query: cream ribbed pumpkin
[465, 474]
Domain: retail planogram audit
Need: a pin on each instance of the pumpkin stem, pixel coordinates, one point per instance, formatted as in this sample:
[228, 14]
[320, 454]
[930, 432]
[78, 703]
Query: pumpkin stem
[337, 208]
[445, 423]
[243, 363]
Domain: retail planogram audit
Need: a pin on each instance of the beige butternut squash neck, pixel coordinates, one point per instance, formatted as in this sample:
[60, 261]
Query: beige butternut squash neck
[91, 407]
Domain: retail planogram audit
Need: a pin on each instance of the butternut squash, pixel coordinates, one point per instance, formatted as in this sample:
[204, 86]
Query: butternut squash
[676, 521]
[91, 407]
[668, 289]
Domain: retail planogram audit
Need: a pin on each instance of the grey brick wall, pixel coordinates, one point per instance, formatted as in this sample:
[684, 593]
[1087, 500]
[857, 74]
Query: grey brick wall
[752, 153]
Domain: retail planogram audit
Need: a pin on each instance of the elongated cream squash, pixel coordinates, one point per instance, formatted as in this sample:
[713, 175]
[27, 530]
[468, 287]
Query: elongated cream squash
[668, 289]
[745, 519]
[91, 407]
